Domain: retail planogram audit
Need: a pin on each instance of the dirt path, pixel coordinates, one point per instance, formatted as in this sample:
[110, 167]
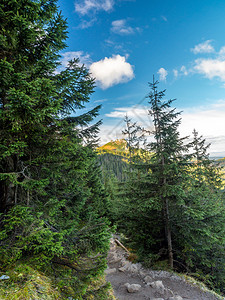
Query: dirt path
[132, 281]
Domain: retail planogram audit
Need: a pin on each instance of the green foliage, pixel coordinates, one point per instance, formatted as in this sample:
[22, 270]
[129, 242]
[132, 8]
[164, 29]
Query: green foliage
[172, 205]
[27, 283]
[52, 203]
[114, 164]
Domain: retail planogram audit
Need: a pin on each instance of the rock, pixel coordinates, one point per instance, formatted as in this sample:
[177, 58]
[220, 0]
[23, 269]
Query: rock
[142, 273]
[110, 271]
[114, 258]
[148, 279]
[158, 285]
[133, 288]
[129, 267]
[112, 245]
[175, 298]
[156, 299]
[124, 262]
[112, 248]
[3, 277]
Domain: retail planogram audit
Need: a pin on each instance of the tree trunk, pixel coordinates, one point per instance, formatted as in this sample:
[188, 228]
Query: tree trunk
[168, 232]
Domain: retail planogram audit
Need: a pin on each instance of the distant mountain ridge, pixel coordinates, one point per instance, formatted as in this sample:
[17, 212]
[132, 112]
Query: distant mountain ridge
[117, 146]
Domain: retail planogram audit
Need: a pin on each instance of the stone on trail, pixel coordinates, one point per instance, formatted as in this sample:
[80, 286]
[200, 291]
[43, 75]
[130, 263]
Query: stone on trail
[158, 286]
[175, 298]
[114, 258]
[133, 288]
[124, 262]
[148, 279]
[129, 267]
[110, 271]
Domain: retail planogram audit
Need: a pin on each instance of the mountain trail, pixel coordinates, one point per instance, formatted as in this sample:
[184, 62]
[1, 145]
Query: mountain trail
[133, 281]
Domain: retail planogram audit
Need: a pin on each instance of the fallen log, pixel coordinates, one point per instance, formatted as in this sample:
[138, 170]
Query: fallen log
[122, 246]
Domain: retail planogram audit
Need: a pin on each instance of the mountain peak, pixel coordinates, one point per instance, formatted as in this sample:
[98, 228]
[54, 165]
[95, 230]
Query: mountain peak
[119, 145]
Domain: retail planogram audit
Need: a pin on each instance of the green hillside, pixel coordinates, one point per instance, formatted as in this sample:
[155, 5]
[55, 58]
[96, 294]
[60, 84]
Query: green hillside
[115, 147]
[113, 159]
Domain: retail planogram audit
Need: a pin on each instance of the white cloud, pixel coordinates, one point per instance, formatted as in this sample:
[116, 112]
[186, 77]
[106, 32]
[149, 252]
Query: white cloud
[111, 132]
[162, 74]
[208, 120]
[175, 73]
[86, 24]
[100, 100]
[184, 70]
[204, 47]
[85, 6]
[211, 68]
[67, 56]
[121, 27]
[132, 112]
[111, 71]
[222, 52]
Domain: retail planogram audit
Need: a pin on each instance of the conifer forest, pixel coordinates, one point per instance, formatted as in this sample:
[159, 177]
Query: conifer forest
[63, 196]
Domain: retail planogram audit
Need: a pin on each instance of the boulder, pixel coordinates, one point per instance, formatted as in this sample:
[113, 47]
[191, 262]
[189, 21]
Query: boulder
[133, 288]
[129, 267]
[124, 262]
[175, 298]
[148, 279]
[114, 258]
[158, 286]
[110, 271]
[143, 272]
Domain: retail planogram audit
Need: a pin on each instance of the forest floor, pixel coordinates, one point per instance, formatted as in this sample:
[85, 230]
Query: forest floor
[133, 281]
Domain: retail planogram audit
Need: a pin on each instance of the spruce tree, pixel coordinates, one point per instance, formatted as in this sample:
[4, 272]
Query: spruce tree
[169, 157]
[174, 199]
[200, 220]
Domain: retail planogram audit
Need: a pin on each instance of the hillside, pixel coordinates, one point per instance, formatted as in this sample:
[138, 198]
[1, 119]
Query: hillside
[115, 147]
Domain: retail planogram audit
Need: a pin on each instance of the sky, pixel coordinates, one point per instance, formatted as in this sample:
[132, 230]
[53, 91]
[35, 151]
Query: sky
[125, 42]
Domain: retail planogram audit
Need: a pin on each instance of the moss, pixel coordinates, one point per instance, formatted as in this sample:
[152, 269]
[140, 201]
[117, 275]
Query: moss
[99, 289]
[27, 283]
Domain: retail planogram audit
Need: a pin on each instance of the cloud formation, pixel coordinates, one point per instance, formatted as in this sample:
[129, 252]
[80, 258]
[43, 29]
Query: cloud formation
[86, 24]
[175, 73]
[162, 74]
[184, 70]
[208, 120]
[111, 71]
[84, 7]
[211, 68]
[131, 112]
[204, 47]
[222, 52]
[120, 27]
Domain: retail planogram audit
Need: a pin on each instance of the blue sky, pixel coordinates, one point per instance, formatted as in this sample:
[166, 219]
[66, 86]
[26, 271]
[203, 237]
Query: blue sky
[125, 42]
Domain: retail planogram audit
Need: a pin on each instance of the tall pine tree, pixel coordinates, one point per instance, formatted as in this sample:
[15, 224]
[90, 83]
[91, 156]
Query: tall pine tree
[169, 158]
[174, 200]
